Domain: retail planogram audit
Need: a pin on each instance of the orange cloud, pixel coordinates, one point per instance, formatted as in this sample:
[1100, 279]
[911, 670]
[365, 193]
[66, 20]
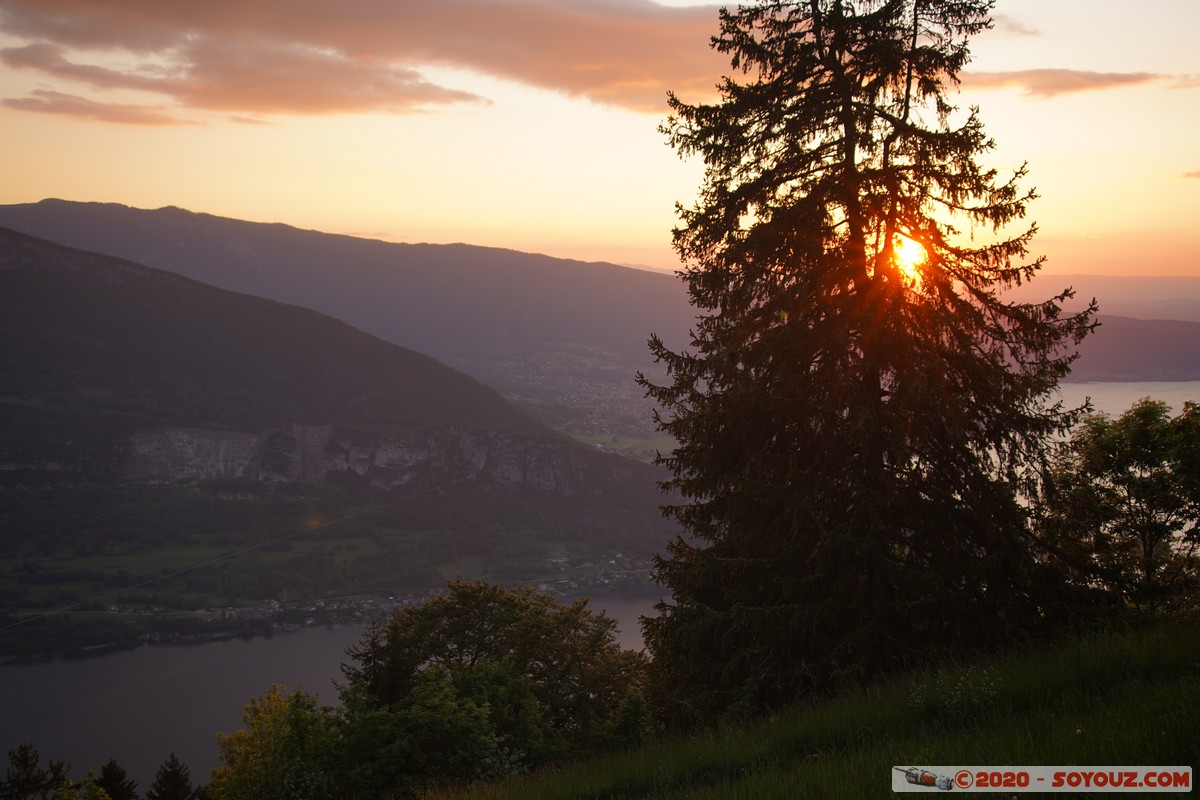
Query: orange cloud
[316, 56]
[59, 103]
[1192, 174]
[1053, 82]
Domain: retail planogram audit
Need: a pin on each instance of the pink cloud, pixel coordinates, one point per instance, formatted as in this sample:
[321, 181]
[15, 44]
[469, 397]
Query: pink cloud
[1053, 82]
[58, 103]
[271, 78]
[313, 56]
[49, 60]
[1013, 26]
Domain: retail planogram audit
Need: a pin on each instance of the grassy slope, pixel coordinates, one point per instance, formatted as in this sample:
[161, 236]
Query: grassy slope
[1127, 699]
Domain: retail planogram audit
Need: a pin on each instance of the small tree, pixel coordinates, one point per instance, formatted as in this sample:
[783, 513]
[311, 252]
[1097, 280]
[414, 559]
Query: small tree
[87, 790]
[435, 733]
[172, 781]
[860, 412]
[24, 778]
[1123, 505]
[551, 675]
[114, 780]
[284, 751]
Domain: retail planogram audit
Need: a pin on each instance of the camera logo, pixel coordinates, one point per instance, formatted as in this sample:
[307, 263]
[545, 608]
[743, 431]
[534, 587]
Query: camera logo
[923, 777]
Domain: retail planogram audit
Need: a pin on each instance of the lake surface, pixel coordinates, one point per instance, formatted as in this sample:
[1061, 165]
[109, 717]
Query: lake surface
[138, 706]
[1116, 398]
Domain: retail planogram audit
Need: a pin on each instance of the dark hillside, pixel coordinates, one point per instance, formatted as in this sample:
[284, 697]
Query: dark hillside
[168, 350]
[97, 348]
[149, 422]
[447, 300]
[163, 349]
[562, 338]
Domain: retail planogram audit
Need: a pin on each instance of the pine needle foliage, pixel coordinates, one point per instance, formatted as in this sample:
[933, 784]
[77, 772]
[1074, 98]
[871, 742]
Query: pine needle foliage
[855, 431]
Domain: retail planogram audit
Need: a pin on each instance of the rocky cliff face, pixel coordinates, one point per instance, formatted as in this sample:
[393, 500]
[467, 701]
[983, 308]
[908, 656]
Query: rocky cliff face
[317, 453]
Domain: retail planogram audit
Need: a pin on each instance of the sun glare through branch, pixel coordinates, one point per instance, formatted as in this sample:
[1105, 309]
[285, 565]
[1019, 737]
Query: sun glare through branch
[910, 255]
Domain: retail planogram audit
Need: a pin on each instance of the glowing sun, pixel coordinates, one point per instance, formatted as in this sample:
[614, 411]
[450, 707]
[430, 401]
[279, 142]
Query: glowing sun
[909, 256]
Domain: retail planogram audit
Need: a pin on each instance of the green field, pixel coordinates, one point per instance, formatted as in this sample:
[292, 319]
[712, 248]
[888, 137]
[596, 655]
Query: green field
[143, 555]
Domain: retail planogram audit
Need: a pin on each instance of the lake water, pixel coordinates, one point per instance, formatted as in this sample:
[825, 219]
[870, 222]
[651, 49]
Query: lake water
[139, 705]
[1115, 398]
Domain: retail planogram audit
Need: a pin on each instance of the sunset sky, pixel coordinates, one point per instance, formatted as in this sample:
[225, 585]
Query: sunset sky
[532, 124]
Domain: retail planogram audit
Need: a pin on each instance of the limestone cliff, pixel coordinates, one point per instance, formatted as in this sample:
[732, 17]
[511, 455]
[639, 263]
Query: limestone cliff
[317, 453]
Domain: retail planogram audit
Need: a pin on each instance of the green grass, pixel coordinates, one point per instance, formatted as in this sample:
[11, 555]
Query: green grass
[1126, 698]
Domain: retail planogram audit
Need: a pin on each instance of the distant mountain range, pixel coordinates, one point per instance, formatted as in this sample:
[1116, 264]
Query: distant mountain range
[1141, 297]
[560, 338]
[1125, 349]
[1149, 326]
[116, 372]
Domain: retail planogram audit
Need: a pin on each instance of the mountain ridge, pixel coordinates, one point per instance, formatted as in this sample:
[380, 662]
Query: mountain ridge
[102, 353]
[1147, 297]
[561, 339]
[150, 422]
